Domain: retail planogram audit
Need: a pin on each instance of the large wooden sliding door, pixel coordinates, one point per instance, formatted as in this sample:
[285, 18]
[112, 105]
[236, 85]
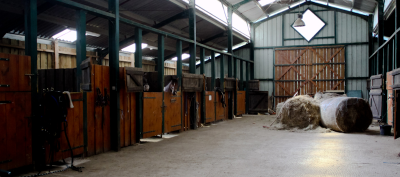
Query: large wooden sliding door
[308, 70]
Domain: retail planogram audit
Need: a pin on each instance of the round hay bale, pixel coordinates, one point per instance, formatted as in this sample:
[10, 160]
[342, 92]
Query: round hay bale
[346, 114]
[301, 112]
[320, 97]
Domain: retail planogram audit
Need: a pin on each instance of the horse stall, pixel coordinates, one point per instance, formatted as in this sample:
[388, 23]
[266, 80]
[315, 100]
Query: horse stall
[220, 102]
[131, 82]
[152, 106]
[172, 104]
[210, 101]
[230, 88]
[96, 82]
[15, 111]
[192, 87]
[241, 103]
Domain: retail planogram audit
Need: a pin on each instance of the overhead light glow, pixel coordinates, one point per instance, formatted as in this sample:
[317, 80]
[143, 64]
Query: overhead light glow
[265, 2]
[184, 57]
[70, 35]
[132, 48]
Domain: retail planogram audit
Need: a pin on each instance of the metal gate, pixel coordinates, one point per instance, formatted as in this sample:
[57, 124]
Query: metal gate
[308, 70]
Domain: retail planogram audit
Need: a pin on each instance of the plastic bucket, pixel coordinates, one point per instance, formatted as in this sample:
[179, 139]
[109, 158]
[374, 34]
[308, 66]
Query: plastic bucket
[386, 130]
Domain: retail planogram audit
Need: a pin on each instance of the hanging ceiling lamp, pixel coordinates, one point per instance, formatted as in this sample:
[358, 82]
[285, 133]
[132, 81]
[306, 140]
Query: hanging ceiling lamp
[299, 22]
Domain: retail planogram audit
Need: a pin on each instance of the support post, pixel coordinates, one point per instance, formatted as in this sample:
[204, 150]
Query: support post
[160, 71]
[203, 92]
[179, 62]
[397, 25]
[241, 75]
[139, 95]
[212, 70]
[380, 36]
[192, 35]
[222, 73]
[230, 40]
[370, 41]
[113, 25]
[236, 88]
[30, 17]
[247, 85]
[80, 56]
[80, 45]
[252, 39]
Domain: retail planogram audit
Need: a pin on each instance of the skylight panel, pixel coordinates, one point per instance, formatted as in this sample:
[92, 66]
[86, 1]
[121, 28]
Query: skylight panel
[70, 35]
[265, 2]
[240, 25]
[132, 48]
[184, 57]
[214, 8]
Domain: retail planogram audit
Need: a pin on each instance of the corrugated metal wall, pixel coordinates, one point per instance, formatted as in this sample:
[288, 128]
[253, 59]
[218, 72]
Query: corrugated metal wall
[243, 52]
[349, 29]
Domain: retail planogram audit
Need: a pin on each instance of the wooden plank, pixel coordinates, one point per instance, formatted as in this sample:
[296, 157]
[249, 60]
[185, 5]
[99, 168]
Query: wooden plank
[99, 144]
[132, 113]
[24, 68]
[106, 131]
[210, 106]
[172, 115]
[11, 131]
[19, 116]
[3, 126]
[241, 103]
[4, 72]
[122, 108]
[28, 128]
[152, 116]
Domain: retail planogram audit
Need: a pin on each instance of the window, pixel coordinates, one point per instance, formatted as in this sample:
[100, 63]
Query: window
[313, 25]
[70, 35]
[132, 48]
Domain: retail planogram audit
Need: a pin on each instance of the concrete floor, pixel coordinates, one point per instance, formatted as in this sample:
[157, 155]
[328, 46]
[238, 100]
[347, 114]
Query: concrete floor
[242, 147]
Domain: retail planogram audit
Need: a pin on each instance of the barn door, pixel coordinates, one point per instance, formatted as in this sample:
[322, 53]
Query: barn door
[375, 96]
[308, 70]
[258, 101]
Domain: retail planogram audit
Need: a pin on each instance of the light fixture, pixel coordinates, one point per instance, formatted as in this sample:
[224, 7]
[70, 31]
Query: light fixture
[299, 22]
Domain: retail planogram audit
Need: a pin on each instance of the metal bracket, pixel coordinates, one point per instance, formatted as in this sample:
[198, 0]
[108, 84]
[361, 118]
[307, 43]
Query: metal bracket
[4, 85]
[5, 161]
[5, 102]
[4, 59]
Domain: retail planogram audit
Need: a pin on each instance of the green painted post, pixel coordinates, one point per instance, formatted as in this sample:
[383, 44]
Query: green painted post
[179, 62]
[192, 35]
[252, 39]
[380, 35]
[212, 70]
[222, 73]
[335, 26]
[397, 25]
[139, 95]
[370, 42]
[80, 56]
[236, 89]
[179, 72]
[247, 85]
[30, 20]
[203, 92]
[241, 76]
[160, 71]
[113, 25]
[230, 41]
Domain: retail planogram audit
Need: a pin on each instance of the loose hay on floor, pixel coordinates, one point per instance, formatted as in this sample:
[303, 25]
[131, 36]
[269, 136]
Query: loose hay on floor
[300, 112]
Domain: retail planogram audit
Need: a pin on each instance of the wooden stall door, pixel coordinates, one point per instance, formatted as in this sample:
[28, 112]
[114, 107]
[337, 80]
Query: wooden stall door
[98, 117]
[220, 112]
[13, 70]
[258, 101]
[15, 124]
[241, 102]
[390, 101]
[152, 115]
[396, 120]
[172, 114]
[210, 106]
[375, 96]
[308, 70]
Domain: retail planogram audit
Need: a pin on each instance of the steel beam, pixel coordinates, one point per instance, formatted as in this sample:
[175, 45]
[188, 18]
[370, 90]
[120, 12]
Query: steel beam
[113, 25]
[247, 86]
[192, 34]
[241, 76]
[139, 95]
[236, 89]
[80, 44]
[237, 5]
[212, 70]
[397, 48]
[230, 41]
[160, 71]
[203, 94]
[252, 39]
[179, 62]
[380, 35]
[81, 56]
[31, 50]
[370, 41]
[222, 73]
